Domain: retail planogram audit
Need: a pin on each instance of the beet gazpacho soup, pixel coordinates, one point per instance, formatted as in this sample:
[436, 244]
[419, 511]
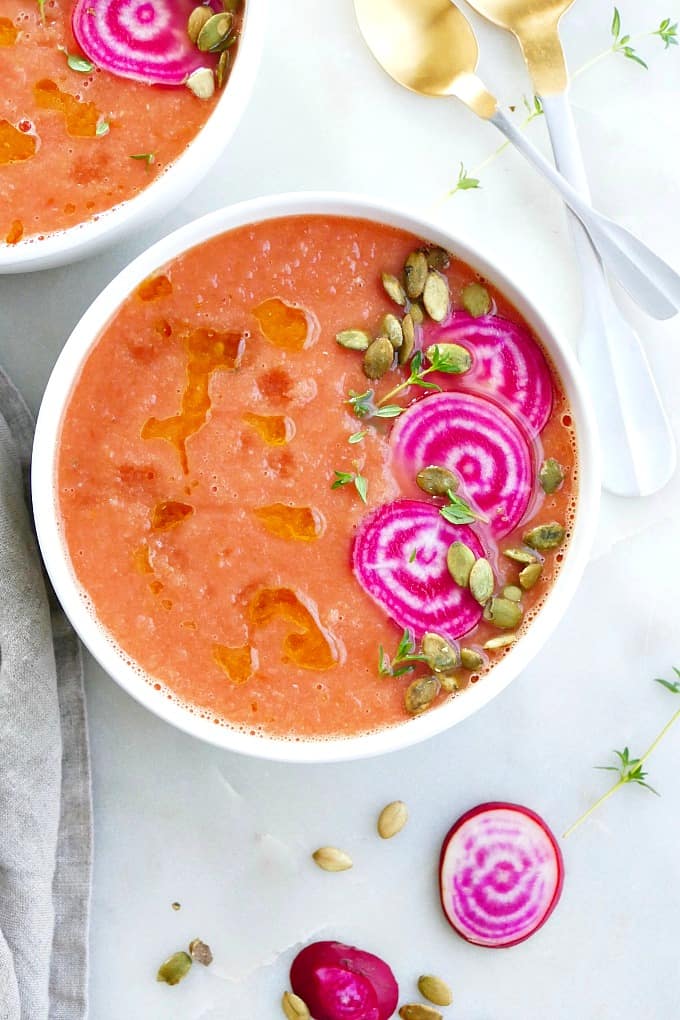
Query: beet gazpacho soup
[316, 477]
[99, 98]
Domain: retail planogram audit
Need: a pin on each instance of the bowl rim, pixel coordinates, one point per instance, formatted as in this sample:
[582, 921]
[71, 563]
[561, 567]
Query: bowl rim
[53, 547]
[61, 247]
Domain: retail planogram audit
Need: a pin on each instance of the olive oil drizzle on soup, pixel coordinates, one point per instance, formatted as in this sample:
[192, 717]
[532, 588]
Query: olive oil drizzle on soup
[199, 453]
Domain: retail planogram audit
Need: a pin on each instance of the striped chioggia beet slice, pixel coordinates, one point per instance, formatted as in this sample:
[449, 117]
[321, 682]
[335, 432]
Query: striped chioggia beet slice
[399, 559]
[507, 364]
[500, 874]
[480, 443]
[339, 982]
[145, 40]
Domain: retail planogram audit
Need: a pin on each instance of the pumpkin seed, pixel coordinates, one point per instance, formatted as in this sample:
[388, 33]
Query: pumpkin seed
[420, 694]
[393, 330]
[174, 968]
[520, 555]
[470, 659]
[231, 5]
[329, 858]
[200, 952]
[392, 819]
[551, 475]
[201, 82]
[481, 581]
[417, 313]
[458, 359]
[436, 296]
[354, 339]
[378, 358]
[503, 613]
[415, 274]
[409, 340]
[416, 1011]
[436, 481]
[460, 560]
[221, 69]
[441, 655]
[438, 258]
[435, 990]
[393, 288]
[512, 592]
[530, 575]
[500, 642]
[197, 19]
[449, 682]
[476, 300]
[545, 536]
[294, 1007]
[214, 33]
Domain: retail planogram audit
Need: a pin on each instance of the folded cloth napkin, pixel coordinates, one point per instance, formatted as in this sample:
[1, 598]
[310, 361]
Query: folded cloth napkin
[45, 800]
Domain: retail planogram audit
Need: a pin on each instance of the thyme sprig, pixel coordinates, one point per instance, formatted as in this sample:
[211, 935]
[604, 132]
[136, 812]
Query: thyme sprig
[364, 405]
[458, 511]
[629, 769]
[359, 482]
[404, 659]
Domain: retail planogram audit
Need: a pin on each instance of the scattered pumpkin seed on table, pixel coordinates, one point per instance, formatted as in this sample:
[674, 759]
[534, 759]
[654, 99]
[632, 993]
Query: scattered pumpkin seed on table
[174, 969]
[476, 300]
[436, 296]
[418, 1011]
[545, 536]
[294, 1007]
[354, 339]
[329, 858]
[530, 575]
[392, 819]
[378, 358]
[442, 656]
[503, 613]
[551, 475]
[460, 560]
[436, 481]
[481, 581]
[420, 694]
[435, 990]
[415, 274]
[470, 659]
[393, 288]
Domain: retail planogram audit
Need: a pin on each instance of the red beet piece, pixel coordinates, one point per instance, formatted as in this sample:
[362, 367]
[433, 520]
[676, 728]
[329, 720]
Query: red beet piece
[339, 982]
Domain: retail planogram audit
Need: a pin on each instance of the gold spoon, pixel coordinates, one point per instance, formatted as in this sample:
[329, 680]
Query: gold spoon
[429, 47]
[636, 437]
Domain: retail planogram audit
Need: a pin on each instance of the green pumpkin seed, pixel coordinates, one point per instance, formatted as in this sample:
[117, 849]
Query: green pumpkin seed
[420, 694]
[502, 641]
[436, 481]
[416, 1011]
[222, 67]
[545, 536]
[438, 258]
[476, 300]
[458, 359]
[441, 655]
[449, 682]
[417, 313]
[481, 581]
[435, 990]
[174, 968]
[393, 288]
[409, 340]
[503, 613]
[470, 659]
[201, 82]
[197, 19]
[530, 575]
[520, 555]
[512, 592]
[460, 560]
[354, 339]
[415, 274]
[551, 475]
[214, 33]
[393, 330]
[378, 358]
[231, 5]
[436, 296]
[294, 1008]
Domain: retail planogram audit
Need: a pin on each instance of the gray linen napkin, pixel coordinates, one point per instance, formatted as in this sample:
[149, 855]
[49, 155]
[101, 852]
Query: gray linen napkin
[45, 801]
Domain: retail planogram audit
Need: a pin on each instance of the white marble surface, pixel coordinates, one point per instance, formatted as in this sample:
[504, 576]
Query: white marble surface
[230, 838]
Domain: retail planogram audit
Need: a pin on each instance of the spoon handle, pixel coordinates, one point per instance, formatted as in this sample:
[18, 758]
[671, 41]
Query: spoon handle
[650, 281]
[635, 434]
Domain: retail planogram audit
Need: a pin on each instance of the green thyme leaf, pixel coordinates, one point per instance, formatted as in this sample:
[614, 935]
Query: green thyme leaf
[146, 157]
[80, 64]
[389, 411]
[414, 553]
[356, 437]
[342, 478]
[361, 403]
[465, 183]
[616, 23]
[103, 128]
[361, 485]
[458, 511]
[668, 32]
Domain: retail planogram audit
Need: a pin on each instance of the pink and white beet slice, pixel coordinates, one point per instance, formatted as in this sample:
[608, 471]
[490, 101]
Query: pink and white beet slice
[480, 443]
[506, 363]
[145, 40]
[399, 559]
[339, 982]
[500, 874]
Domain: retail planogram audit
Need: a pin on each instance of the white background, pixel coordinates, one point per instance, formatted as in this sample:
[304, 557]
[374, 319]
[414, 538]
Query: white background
[230, 838]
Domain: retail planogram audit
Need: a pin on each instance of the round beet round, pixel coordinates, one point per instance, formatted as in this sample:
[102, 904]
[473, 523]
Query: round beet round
[500, 875]
[340, 982]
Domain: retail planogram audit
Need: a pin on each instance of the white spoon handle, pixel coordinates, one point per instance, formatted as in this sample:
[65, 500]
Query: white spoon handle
[635, 434]
[650, 281]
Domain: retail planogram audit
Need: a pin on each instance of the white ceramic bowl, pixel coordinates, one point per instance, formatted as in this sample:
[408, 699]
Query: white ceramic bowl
[168, 190]
[54, 550]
